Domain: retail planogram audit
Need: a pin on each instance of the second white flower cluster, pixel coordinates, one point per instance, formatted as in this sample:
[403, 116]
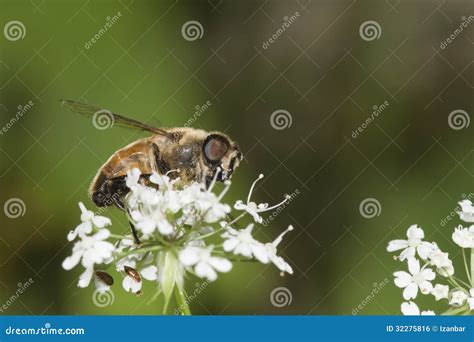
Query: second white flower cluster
[425, 260]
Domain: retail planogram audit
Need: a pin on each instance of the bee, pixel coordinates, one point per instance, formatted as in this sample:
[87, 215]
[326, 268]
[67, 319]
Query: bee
[192, 154]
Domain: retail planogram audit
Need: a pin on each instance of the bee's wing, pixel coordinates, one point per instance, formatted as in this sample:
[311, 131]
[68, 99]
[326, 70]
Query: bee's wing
[119, 120]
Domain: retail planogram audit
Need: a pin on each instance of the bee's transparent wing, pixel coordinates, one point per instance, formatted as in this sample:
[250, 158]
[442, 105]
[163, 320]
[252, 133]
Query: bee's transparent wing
[119, 120]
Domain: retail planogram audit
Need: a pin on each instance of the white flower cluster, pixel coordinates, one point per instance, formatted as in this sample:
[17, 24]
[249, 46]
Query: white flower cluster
[425, 260]
[176, 230]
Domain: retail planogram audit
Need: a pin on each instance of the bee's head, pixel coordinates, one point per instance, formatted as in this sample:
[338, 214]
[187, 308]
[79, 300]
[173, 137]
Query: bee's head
[220, 152]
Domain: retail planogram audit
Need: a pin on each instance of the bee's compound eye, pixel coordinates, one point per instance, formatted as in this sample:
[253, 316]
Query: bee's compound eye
[215, 147]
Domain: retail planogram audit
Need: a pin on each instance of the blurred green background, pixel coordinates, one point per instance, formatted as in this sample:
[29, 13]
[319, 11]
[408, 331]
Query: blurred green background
[319, 70]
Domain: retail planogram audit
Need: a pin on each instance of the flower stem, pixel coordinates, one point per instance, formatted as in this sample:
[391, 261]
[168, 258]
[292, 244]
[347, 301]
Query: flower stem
[237, 218]
[472, 267]
[205, 236]
[119, 237]
[453, 311]
[183, 306]
[469, 275]
[144, 249]
[454, 282]
[462, 282]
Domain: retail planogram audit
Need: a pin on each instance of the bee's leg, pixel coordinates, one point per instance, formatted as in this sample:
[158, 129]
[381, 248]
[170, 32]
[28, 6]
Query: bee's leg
[134, 233]
[117, 189]
[160, 163]
[119, 203]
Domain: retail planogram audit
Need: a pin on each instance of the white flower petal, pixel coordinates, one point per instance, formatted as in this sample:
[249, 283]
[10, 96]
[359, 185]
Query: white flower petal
[230, 244]
[204, 270]
[470, 302]
[132, 178]
[425, 287]
[131, 285]
[467, 213]
[408, 253]
[440, 291]
[220, 264]
[101, 221]
[72, 235]
[244, 250]
[189, 256]
[396, 245]
[149, 272]
[428, 313]
[415, 232]
[413, 266]
[85, 278]
[402, 279]
[424, 249]
[410, 291]
[410, 309]
[102, 234]
[428, 274]
[71, 261]
[165, 227]
[259, 252]
[146, 226]
[463, 237]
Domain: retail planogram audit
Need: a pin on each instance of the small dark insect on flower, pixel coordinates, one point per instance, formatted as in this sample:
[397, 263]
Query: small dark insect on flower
[105, 277]
[132, 273]
[139, 293]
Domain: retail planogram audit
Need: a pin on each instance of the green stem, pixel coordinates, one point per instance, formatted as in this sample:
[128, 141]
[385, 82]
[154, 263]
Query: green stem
[120, 237]
[465, 265]
[454, 311]
[231, 258]
[183, 306]
[138, 251]
[202, 237]
[454, 282]
[462, 282]
[237, 218]
[472, 267]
